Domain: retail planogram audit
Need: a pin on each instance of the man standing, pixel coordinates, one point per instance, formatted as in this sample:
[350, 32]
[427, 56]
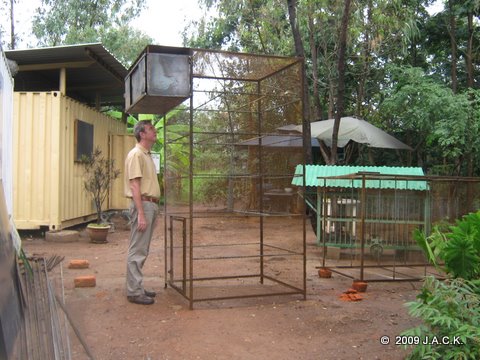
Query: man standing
[141, 185]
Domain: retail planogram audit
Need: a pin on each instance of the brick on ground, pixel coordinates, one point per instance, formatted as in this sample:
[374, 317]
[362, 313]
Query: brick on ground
[85, 281]
[78, 264]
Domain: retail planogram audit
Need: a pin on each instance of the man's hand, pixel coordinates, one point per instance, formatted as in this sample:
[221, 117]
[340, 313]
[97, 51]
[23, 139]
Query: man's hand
[142, 222]
[135, 185]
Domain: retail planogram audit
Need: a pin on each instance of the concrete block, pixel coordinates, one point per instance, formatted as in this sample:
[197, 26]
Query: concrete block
[85, 281]
[62, 236]
[78, 264]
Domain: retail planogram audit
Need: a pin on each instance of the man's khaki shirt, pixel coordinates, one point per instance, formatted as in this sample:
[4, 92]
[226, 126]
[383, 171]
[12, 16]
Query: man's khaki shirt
[139, 164]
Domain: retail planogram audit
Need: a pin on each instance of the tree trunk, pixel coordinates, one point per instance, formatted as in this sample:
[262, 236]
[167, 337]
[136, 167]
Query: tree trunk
[13, 38]
[300, 52]
[365, 67]
[453, 46]
[470, 84]
[257, 27]
[331, 99]
[341, 80]
[317, 107]
[469, 54]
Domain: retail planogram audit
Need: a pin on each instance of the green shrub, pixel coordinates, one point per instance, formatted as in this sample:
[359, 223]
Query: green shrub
[458, 249]
[450, 312]
[210, 190]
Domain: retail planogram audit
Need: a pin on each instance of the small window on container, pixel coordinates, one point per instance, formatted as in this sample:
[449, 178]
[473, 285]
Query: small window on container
[83, 139]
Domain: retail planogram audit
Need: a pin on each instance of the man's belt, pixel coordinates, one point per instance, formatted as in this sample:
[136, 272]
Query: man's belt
[150, 198]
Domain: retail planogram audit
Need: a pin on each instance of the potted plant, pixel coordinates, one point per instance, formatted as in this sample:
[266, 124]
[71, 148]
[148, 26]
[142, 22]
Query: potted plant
[359, 285]
[325, 272]
[99, 174]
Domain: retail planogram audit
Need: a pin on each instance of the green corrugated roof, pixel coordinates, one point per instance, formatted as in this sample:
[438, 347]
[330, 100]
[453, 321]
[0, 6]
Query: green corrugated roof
[316, 174]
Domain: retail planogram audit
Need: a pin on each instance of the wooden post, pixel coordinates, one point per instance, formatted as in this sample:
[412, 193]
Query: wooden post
[63, 81]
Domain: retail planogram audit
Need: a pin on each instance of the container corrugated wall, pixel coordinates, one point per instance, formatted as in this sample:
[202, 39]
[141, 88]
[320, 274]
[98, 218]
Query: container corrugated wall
[48, 183]
[120, 145]
[6, 131]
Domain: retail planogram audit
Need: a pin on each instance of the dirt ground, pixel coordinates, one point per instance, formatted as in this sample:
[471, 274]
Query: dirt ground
[281, 327]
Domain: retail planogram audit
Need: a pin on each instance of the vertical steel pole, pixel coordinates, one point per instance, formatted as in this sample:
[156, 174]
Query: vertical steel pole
[306, 150]
[362, 235]
[165, 224]
[172, 274]
[320, 214]
[184, 256]
[322, 210]
[260, 170]
[190, 196]
[427, 208]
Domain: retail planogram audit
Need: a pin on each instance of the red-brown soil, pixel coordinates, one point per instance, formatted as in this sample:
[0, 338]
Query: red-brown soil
[282, 327]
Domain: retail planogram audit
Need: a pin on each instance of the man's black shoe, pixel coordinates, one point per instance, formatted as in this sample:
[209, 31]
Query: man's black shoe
[151, 294]
[141, 299]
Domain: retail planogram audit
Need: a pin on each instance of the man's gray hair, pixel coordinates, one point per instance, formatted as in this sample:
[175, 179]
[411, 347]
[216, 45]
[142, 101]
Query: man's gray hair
[140, 127]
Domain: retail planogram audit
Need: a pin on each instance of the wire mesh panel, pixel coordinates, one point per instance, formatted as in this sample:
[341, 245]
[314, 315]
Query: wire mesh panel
[226, 203]
[382, 221]
[451, 198]
[45, 330]
[373, 220]
[179, 255]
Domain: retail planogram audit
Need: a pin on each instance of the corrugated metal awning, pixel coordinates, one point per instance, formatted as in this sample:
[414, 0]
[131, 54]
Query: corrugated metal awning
[92, 72]
[379, 177]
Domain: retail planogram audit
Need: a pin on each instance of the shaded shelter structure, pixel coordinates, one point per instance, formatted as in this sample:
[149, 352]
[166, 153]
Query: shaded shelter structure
[368, 213]
[87, 73]
[59, 93]
[354, 129]
[236, 177]
[278, 140]
[334, 193]
[367, 216]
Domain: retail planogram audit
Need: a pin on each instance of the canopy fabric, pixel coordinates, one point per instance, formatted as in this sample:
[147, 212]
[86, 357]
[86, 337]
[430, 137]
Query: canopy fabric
[281, 141]
[354, 129]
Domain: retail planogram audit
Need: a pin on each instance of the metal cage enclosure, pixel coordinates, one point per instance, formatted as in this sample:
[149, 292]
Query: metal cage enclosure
[227, 177]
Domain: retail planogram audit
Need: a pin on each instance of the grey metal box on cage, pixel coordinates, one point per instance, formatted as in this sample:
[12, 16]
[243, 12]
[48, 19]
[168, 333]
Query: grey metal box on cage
[158, 81]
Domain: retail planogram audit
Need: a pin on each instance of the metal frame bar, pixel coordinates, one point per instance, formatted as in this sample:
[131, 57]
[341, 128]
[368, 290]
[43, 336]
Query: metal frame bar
[392, 216]
[394, 271]
[185, 284]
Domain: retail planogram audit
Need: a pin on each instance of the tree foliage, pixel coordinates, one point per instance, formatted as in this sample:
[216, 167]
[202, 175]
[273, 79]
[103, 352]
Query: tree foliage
[99, 174]
[8, 32]
[437, 123]
[406, 70]
[175, 133]
[412, 73]
[449, 310]
[82, 21]
[451, 319]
